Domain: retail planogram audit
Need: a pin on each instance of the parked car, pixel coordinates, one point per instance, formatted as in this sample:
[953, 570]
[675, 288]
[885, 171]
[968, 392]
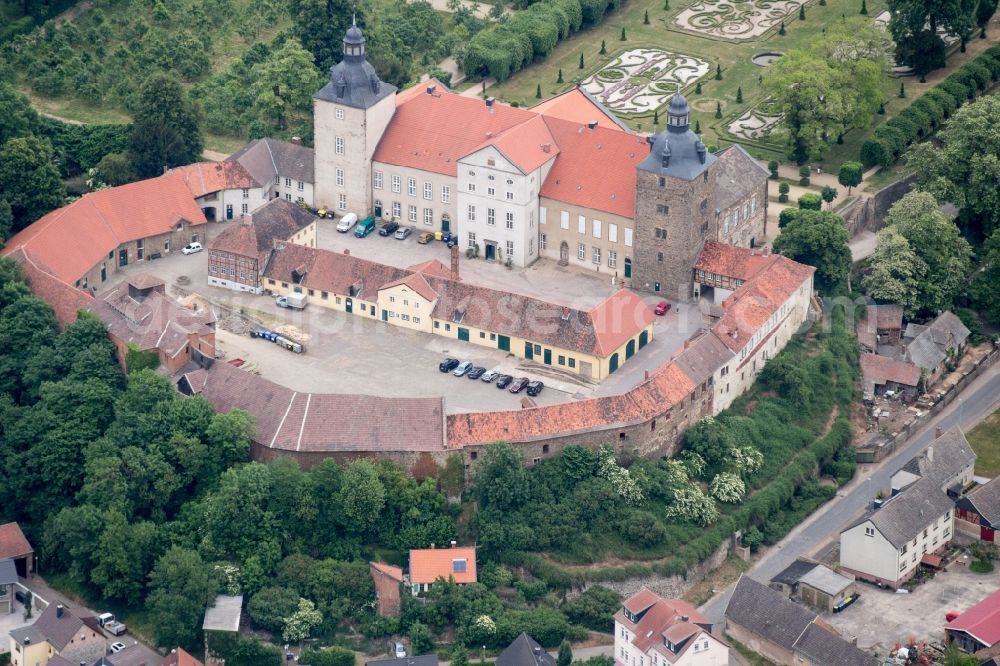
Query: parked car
[462, 368]
[292, 301]
[325, 214]
[399, 650]
[475, 372]
[449, 238]
[347, 222]
[116, 647]
[191, 248]
[365, 227]
[403, 233]
[503, 381]
[534, 388]
[425, 238]
[518, 385]
[490, 376]
[389, 228]
[448, 364]
[661, 308]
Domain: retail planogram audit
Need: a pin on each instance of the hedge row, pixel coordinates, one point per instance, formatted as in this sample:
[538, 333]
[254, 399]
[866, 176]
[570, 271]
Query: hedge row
[509, 46]
[926, 114]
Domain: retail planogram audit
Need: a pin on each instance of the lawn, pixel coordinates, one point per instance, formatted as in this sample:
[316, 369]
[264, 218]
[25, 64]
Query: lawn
[985, 440]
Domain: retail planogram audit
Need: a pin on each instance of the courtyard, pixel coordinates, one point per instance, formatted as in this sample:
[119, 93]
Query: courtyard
[347, 353]
[882, 618]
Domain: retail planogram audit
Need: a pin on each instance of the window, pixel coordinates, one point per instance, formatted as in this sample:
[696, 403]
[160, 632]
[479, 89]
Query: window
[411, 213]
[340, 114]
[302, 186]
[405, 317]
[288, 182]
[628, 238]
[338, 146]
[870, 531]
[541, 241]
[340, 177]
[510, 220]
[613, 232]
[659, 257]
[595, 228]
[660, 233]
[342, 202]
[411, 186]
[510, 196]
[510, 249]
[663, 181]
[428, 216]
[491, 216]
[472, 239]
[542, 214]
[531, 219]
[662, 209]
[246, 193]
[428, 191]
[472, 213]
[378, 180]
[396, 184]
[277, 180]
[572, 362]
[324, 295]
[581, 224]
[561, 360]
[491, 191]
[445, 194]
[581, 251]
[416, 320]
[288, 197]
[564, 220]
[612, 259]
[472, 187]
[596, 255]
[397, 210]
[245, 209]
[531, 247]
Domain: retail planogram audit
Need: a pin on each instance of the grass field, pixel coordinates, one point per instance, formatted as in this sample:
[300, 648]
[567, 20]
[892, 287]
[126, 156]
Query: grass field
[985, 440]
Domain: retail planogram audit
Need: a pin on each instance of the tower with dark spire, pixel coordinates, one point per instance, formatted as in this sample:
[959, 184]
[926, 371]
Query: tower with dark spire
[350, 114]
[674, 206]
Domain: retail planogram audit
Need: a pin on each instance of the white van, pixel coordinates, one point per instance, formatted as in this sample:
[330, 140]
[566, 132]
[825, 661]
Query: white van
[347, 222]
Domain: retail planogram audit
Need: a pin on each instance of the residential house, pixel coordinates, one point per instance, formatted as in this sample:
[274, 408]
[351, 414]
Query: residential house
[179, 657]
[114, 228]
[978, 628]
[14, 546]
[882, 376]
[8, 581]
[283, 169]
[59, 635]
[653, 631]
[977, 514]
[525, 651]
[422, 660]
[223, 190]
[239, 253]
[767, 622]
[428, 565]
[813, 584]
[141, 318]
[131, 655]
[934, 346]
[949, 461]
[387, 580]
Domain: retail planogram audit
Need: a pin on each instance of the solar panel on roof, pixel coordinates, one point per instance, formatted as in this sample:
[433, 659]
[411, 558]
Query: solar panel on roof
[458, 566]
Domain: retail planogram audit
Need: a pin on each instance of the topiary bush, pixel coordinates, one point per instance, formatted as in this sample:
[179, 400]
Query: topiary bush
[810, 201]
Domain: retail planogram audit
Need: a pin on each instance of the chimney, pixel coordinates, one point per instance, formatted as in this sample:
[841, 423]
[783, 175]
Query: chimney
[247, 219]
[454, 263]
[665, 156]
[454, 543]
[684, 618]
[490, 101]
[546, 147]
[431, 88]
[296, 141]
[592, 124]
[649, 140]
[645, 374]
[59, 610]
[432, 546]
[27, 640]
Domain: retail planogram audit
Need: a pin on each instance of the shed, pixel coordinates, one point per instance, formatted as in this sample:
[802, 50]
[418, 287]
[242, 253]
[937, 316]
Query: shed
[224, 614]
[15, 546]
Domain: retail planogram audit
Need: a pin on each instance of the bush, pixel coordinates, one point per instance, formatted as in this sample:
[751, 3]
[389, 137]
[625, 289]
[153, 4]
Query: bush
[804, 176]
[980, 566]
[875, 151]
[810, 201]
[907, 128]
[944, 99]
[786, 216]
[269, 608]
[333, 656]
[594, 609]
[979, 73]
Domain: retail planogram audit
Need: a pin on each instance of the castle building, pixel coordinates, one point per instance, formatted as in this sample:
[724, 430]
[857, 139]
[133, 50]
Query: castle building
[517, 184]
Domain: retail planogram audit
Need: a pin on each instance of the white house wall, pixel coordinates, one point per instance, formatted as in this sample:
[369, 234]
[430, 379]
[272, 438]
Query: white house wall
[442, 201]
[872, 555]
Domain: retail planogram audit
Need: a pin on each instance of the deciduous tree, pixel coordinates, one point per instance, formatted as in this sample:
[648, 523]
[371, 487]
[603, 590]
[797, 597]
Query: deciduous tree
[165, 130]
[820, 239]
[29, 179]
[181, 587]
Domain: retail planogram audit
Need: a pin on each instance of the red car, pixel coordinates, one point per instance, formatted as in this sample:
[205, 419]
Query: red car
[662, 308]
[518, 385]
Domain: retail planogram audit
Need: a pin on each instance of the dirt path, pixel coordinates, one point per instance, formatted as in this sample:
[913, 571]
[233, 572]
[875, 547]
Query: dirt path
[213, 155]
[53, 116]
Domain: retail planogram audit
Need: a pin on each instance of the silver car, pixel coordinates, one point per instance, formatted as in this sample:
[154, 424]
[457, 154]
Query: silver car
[403, 233]
[400, 650]
[462, 368]
[490, 375]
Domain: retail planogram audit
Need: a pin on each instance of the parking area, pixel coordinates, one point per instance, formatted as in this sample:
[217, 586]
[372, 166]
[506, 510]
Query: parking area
[882, 618]
[356, 354]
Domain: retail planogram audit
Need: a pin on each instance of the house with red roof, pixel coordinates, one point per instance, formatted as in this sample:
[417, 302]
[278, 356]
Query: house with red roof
[652, 630]
[977, 628]
[430, 565]
[14, 546]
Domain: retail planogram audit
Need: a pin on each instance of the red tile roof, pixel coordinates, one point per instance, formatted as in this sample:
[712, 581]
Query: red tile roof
[882, 369]
[179, 657]
[640, 601]
[982, 621]
[671, 619]
[206, 177]
[595, 168]
[429, 564]
[431, 132]
[417, 283]
[393, 572]
[528, 145]
[64, 299]
[617, 319]
[578, 107]
[731, 261]
[106, 219]
[431, 267]
[12, 542]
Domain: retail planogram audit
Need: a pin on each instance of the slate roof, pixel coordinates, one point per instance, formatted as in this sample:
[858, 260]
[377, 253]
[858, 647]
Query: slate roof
[794, 572]
[353, 80]
[429, 564]
[64, 299]
[732, 176]
[105, 219]
[928, 345]
[767, 613]
[907, 514]
[688, 156]
[8, 572]
[525, 651]
[985, 500]
[133, 655]
[224, 613]
[30, 633]
[825, 648]
[825, 580]
[982, 621]
[701, 358]
[58, 631]
[947, 455]
[290, 420]
[254, 235]
[578, 106]
[13, 544]
[264, 159]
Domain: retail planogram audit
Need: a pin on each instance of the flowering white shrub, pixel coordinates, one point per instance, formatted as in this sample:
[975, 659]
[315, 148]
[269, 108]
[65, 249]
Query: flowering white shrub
[727, 487]
[692, 504]
[747, 459]
[624, 484]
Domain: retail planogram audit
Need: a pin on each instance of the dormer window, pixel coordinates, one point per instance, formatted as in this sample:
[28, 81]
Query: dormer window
[459, 566]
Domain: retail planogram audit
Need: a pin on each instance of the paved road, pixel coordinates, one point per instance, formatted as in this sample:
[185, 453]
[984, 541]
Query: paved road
[978, 400]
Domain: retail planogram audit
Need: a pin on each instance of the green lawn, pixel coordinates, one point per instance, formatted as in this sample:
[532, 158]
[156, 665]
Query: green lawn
[985, 440]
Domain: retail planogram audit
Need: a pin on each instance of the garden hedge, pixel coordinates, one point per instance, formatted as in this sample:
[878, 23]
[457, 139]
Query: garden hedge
[925, 114]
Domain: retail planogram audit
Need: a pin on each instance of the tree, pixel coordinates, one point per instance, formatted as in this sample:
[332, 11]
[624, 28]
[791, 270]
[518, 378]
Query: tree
[284, 83]
[739, 95]
[811, 201]
[802, 12]
[593, 608]
[581, 61]
[985, 288]
[909, 17]
[864, 8]
[459, 655]
[718, 71]
[963, 167]
[718, 109]
[924, 52]
[538, 91]
[165, 130]
[645, 18]
[782, 30]
[269, 607]
[804, 173]
[829, 194]
[894, 270]
[604, 47]
[727, 487]
[820, 239]
[6, 221]
[17, 118]
[565, 657]
[300, 624]
[362, 496]
[783, 190]
[772, 166]
[622, 37]
[320, 26]
[850, 175]
[697, 88]
[181, 587]
[29, 180]
[560, 79]
[115, 169]
[421, 640]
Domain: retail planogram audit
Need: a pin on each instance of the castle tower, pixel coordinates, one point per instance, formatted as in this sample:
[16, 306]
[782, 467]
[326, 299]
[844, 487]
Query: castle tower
[350, 114]
[674, 207]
